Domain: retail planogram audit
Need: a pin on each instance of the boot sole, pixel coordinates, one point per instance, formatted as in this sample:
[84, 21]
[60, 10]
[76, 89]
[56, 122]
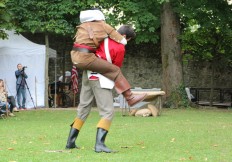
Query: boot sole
[106, 151]
[69, 148]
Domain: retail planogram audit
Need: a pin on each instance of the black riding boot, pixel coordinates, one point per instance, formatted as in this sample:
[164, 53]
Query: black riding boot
[72, 138]
[100, 141]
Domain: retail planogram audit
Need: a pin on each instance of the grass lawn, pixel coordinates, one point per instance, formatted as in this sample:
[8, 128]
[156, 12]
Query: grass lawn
[177, 135]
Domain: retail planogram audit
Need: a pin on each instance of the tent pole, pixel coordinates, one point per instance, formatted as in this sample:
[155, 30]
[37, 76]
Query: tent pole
[7, 108]
[55, 82]
[46, 70]
[36, 92]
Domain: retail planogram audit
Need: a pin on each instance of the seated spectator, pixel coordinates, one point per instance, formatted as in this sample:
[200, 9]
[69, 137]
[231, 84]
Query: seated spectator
[67, 78]
[63, 84]
[4, 99]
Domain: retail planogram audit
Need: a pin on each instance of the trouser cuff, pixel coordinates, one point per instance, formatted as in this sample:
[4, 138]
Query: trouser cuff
[77, 124]
[104, 124]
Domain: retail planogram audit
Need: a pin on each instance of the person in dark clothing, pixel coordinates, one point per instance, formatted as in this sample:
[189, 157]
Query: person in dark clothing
[21, 86]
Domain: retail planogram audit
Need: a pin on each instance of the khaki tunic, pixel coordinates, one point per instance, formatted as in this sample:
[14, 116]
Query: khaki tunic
[86, 34]
[100, 31]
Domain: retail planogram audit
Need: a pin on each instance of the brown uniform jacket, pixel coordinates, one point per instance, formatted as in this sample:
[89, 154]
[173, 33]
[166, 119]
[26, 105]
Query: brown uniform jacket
[94, 32]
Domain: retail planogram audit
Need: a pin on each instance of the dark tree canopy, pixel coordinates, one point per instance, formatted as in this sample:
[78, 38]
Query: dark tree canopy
[202, 28]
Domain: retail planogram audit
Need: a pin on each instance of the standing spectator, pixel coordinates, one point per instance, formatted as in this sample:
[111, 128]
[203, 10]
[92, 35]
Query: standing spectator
[21, 77]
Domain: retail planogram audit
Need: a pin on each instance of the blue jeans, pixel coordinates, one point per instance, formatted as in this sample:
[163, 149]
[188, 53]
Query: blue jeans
[21, 91]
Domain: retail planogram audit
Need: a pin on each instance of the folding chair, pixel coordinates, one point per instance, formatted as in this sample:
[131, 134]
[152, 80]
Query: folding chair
[3, 109]
[2, 112]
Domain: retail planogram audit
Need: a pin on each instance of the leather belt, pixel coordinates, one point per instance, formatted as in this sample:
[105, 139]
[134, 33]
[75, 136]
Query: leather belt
[85, 50]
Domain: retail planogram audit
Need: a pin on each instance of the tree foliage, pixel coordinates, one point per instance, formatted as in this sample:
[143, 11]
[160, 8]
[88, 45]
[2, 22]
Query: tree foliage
[208, 44]
[210, 20]
[47, 16]
[5, 19]
[207, 32]
[212, 16]
[59, 16]
[143, 15]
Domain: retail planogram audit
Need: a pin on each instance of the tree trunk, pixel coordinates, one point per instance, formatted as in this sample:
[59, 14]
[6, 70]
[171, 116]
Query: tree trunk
[170, 50]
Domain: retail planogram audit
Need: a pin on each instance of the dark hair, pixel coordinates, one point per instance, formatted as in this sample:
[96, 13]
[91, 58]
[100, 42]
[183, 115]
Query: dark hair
[128, 31]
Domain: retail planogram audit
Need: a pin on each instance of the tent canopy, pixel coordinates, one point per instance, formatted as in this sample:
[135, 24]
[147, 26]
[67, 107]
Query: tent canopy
[17, 49]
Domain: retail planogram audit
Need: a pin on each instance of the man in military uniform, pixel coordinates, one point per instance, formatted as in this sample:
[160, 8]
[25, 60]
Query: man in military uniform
[91, 88]
[89, 34]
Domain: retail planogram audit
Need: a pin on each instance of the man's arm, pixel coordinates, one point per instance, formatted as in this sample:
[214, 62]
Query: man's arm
[18, 73]
[113, 34]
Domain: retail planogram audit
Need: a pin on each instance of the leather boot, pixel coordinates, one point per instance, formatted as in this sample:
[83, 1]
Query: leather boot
[100, 141]
[72, 138]
[123, 87]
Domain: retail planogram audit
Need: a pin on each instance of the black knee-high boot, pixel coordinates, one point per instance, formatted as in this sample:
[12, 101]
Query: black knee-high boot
[100, 141]
[72, 138]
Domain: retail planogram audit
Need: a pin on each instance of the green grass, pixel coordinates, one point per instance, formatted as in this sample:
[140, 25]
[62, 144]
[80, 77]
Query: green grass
[177, 135]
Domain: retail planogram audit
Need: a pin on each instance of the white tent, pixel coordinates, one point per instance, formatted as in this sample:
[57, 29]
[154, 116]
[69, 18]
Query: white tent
[18, 49]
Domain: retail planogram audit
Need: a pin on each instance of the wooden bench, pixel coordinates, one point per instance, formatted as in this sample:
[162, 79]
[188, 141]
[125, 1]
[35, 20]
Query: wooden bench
[221, 93]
